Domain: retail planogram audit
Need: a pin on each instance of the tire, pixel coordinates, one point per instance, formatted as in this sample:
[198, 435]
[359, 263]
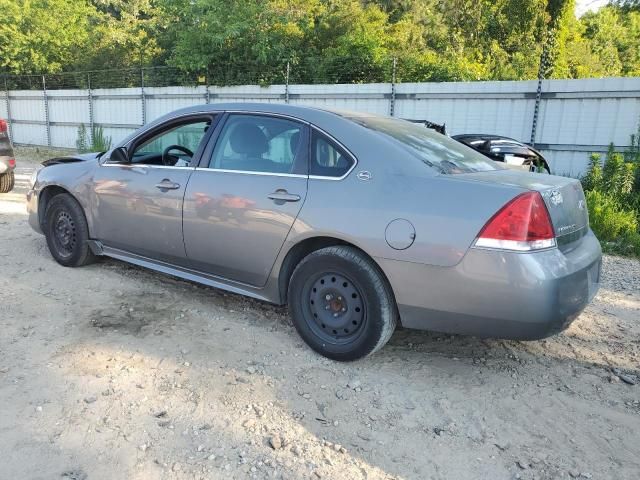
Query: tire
[67, 232]
[7, 181]
[341, 304]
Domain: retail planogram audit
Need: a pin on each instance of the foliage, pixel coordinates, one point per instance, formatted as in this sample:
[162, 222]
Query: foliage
[632, 155]
[593, 179]
[42, 37]
[251, 41]
[614, 37]
[50, 36]
[97, 142]
[608, 218]
[613, 199]
[122, 35]
[101, 142]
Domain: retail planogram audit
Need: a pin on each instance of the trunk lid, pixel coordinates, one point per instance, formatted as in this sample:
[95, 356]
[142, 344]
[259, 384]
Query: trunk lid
[562, 196]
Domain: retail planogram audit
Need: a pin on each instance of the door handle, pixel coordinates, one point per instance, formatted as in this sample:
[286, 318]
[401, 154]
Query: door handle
[167, 184]
[281, 195]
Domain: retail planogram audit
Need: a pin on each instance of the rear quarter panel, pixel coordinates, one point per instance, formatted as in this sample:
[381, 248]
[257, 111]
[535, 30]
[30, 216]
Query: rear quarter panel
[447, 213]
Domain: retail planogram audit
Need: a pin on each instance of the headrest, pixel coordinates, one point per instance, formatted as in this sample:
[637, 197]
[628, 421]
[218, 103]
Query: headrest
[247, 138]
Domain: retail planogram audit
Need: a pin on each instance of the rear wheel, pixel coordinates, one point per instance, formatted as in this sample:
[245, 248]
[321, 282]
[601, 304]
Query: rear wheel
[67, 232]
[341, 304]
[7, 181]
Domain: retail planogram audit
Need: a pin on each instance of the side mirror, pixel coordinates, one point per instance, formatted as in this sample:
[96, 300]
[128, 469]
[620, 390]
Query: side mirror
[120, 155]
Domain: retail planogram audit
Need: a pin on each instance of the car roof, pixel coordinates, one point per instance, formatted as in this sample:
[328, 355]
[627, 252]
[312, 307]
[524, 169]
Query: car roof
[332, 121]
[307, 113]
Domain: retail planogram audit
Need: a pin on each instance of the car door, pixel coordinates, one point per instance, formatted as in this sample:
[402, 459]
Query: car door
[139, 203]
[243, 199]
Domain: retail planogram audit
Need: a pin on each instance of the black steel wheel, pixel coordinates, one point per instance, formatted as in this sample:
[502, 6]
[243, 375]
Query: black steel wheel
[341, 303]
[64, 233]
[67, 232]
[336, 306]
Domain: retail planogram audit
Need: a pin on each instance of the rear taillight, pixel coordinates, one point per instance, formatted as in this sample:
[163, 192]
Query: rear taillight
[12, 162]
[3, 126]
[523, 224]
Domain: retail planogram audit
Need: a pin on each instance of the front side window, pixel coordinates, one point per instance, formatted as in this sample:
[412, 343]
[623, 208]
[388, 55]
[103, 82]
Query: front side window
[258, 143]
[173, 147]
[327, 158]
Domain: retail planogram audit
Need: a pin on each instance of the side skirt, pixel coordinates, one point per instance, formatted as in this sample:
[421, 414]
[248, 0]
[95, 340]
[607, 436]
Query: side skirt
[180, 272]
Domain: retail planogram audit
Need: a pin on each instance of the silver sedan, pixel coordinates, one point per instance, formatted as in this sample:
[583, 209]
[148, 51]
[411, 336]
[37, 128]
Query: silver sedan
[358, 222]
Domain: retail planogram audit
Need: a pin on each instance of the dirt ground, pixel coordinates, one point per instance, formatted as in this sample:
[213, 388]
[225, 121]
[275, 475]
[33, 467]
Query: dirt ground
[114, 372]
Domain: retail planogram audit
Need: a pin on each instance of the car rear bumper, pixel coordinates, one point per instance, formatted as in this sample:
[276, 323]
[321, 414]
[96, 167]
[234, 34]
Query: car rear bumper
[32, 210]
[524, 296]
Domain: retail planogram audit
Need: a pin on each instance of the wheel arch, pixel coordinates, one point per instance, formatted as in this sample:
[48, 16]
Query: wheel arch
[45, 196]
[309, 245]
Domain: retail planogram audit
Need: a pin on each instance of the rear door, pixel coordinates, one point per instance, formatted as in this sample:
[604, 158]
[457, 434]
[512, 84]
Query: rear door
[243, 199]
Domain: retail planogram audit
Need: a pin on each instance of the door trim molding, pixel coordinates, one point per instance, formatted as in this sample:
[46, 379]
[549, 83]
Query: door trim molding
[250, 172]
[146, 165]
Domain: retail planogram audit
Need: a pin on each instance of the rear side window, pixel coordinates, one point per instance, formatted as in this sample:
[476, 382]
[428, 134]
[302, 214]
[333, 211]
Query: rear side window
[434, 149]
[327, 158]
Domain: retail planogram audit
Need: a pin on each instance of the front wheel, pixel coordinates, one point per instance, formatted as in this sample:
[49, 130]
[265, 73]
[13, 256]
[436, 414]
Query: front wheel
[67, 232]
[341, 304]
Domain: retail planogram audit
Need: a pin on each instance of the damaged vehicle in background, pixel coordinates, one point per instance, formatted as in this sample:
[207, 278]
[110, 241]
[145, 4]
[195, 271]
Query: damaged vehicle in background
[357, 222]
[7, 160]
[507, 150]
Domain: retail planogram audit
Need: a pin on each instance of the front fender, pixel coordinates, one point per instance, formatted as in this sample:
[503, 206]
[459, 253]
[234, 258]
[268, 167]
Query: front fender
[75, 178]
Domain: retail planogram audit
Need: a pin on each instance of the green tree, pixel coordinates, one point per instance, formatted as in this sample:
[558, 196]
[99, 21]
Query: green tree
[50, 36]
[323, 40]
[614, 36]
[44, 36]
[350, 42]
[235, 40]
[123, 34]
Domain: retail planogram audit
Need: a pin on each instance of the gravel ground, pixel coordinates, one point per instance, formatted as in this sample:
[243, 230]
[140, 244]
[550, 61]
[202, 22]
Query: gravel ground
[114, 372]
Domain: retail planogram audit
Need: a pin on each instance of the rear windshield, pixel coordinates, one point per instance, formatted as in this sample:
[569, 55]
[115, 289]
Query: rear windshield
[438, 151]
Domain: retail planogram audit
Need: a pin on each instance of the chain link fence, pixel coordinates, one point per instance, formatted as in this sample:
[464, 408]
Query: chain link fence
[311, 71]
[95, 86]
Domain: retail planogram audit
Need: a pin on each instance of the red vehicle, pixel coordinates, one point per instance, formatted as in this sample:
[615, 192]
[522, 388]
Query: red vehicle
[7, 160]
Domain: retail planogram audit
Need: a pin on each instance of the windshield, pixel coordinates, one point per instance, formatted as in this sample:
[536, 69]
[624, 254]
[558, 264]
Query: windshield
[438, 151]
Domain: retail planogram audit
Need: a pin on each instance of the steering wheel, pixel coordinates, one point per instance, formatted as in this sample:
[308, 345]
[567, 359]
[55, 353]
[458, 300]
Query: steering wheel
[166, 158]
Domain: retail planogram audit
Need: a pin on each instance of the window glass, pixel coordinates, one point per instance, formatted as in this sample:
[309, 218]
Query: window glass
[257, 143]
[437, 151]
[327, 158]
[185, 137]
